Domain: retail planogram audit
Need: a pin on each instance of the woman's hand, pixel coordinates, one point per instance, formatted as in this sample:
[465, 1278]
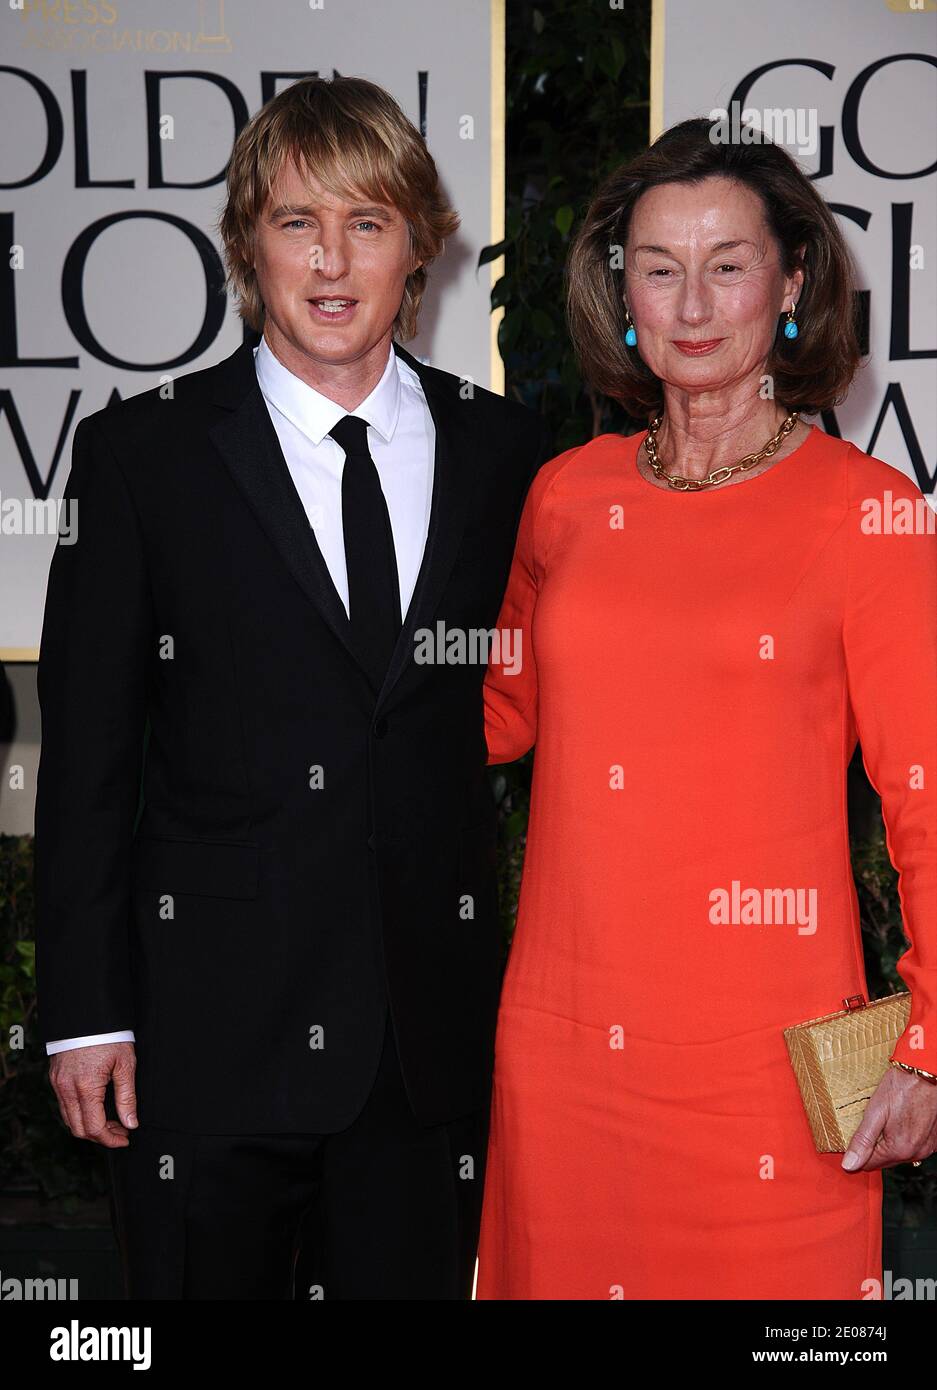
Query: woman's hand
[899, 1124]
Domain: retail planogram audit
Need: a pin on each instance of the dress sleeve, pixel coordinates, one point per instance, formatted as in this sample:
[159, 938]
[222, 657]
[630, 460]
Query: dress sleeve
[890, 640]
[510, 687]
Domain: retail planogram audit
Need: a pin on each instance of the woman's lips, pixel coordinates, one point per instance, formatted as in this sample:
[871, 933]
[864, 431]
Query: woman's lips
[699, 349]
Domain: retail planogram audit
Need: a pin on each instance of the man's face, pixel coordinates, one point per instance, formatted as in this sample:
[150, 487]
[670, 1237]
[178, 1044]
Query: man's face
[312, 249]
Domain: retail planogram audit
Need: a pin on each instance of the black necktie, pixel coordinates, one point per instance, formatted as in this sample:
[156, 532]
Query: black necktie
[370, 559]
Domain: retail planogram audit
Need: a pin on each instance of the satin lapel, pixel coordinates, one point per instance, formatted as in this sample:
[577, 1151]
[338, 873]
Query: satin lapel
[451, 471]
[248, 443]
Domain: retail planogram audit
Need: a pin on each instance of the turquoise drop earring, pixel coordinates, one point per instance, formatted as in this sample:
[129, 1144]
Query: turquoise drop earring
[631, 337]
[790, 328]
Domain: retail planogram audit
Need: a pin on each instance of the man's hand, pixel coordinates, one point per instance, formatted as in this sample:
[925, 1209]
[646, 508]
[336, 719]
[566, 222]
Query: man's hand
[899, 1124]
[80, 1078]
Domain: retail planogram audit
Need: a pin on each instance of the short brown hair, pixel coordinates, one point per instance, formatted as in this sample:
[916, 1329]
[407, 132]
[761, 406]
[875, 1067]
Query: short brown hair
[810, 374]
[353, 137]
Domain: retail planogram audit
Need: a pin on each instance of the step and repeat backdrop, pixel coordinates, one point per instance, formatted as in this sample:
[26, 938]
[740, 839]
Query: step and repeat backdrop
[849, 87]
[117, 118]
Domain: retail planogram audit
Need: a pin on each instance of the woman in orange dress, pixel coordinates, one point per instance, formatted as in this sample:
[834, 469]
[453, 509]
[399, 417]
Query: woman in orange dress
[699, 658]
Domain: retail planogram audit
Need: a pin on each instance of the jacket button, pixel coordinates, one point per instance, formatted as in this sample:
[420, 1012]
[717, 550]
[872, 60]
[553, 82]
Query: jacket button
[380, 728]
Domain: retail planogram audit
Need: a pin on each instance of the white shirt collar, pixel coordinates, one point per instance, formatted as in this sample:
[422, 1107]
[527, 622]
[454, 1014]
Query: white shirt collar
[314, 414]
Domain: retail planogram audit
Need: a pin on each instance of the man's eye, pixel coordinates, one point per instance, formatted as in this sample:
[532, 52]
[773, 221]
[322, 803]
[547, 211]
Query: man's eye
[297, 222]
[365, 223]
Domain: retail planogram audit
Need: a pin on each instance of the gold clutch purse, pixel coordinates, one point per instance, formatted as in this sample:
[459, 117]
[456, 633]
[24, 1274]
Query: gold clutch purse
[840, 1059]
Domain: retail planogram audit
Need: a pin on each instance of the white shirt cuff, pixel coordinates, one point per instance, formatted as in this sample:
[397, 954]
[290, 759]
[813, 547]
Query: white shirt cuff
[66, 1044]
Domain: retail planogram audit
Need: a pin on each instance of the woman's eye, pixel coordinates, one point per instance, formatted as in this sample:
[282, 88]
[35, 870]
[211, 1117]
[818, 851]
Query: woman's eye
[729, 267]
[662, 270]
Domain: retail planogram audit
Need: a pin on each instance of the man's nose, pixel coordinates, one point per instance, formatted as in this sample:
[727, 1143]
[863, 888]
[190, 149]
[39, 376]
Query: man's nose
[330, 256]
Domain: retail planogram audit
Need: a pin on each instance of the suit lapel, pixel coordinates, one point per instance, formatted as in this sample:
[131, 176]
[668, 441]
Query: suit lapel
[451, 472]
[248, 443]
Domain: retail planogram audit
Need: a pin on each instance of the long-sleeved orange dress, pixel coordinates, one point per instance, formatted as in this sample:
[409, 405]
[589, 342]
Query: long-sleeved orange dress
[696, 668]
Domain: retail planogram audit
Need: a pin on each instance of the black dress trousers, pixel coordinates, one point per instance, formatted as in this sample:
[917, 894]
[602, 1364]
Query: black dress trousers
[385, 1209]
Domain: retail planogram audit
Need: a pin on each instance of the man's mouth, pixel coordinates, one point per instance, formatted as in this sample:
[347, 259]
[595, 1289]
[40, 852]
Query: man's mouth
[332, 306]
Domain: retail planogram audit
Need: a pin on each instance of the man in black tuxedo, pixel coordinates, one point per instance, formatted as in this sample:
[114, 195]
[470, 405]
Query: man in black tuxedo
[286, 952]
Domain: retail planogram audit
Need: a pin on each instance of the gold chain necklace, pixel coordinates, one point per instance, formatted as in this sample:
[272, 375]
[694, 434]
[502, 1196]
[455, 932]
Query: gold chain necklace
[684, 484]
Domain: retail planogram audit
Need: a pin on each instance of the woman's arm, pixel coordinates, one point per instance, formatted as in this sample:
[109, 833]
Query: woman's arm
[510, 688]
[890, 640]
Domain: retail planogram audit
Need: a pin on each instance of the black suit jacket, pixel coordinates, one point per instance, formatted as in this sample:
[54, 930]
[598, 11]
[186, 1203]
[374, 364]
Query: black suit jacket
[315, 838]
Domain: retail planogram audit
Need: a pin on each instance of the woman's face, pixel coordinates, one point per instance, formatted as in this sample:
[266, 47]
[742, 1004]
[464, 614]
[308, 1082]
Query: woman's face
[701, 267]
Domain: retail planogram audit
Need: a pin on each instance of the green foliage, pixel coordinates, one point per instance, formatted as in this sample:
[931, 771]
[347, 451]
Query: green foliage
[37, 1153]
[577, 107]
[883, 941]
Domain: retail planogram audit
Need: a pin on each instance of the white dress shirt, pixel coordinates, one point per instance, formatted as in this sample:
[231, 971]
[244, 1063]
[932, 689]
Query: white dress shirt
[402, 441]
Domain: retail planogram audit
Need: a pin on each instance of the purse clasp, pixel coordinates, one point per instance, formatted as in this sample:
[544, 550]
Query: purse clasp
[854, 1002]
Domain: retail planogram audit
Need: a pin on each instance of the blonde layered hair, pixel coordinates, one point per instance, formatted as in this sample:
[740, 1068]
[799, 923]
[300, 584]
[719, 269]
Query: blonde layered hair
[354, 139]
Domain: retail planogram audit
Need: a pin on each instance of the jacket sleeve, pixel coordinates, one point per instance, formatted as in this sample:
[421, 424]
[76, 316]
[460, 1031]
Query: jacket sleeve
[95, 643]
[510, 687]
[890, 640]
